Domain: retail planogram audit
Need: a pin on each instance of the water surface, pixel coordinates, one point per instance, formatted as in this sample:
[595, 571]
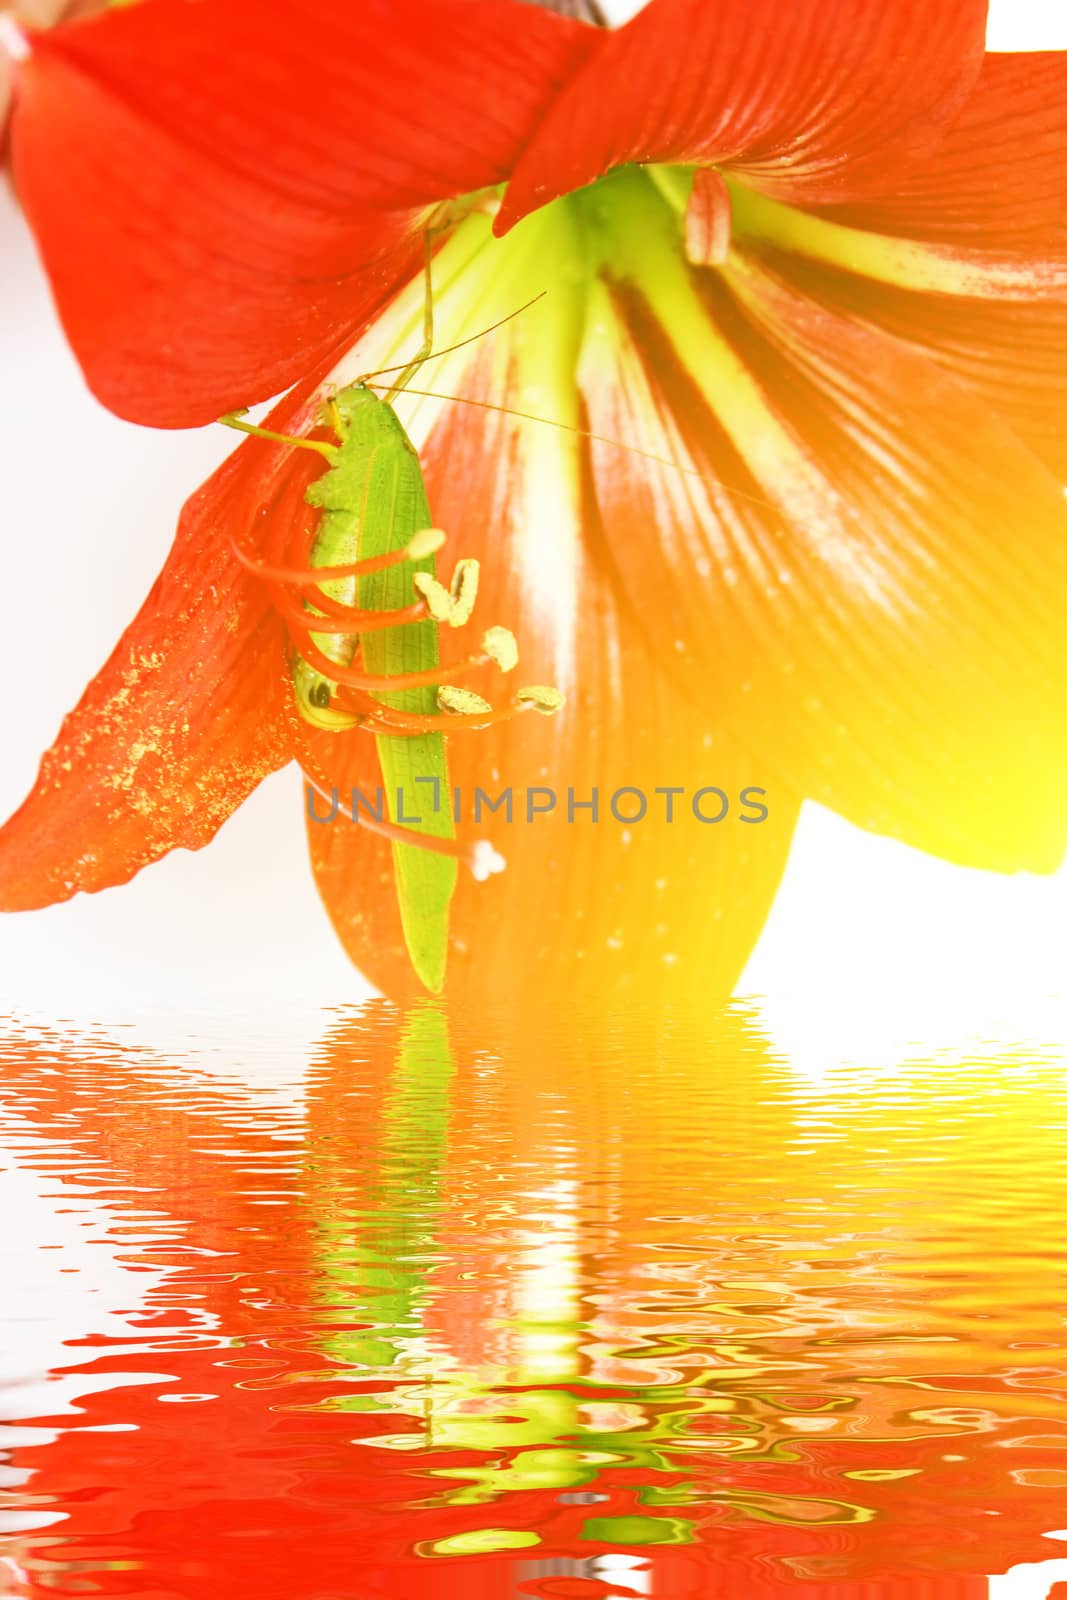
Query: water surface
[424, 1308]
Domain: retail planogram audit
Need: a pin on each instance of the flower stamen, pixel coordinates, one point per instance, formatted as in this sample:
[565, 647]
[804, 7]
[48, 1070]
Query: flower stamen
[425, 543]
[463, 711]
[384, 683]
[454, 605]
[346, 621]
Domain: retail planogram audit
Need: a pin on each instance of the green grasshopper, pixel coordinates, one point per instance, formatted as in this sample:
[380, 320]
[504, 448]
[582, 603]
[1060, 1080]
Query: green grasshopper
[371, 588]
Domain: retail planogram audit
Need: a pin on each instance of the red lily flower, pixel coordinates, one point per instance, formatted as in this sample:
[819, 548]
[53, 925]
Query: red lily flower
[816, 258]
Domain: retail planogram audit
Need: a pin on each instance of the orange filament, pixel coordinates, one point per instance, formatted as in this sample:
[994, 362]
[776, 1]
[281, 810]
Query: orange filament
[383, 683]
[312, 577]
[341, 619]
[383, 719]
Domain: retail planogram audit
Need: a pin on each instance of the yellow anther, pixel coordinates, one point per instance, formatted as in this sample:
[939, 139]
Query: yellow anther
[464, 702]
[425, 543]
[499, 645]
[464, 591]
[439, 602]
[541, 697]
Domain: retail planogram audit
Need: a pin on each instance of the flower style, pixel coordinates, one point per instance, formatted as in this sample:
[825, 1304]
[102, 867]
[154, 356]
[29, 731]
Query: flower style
[783, 505]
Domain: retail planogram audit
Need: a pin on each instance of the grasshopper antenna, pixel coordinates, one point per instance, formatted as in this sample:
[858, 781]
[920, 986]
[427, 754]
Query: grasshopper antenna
[426, 352]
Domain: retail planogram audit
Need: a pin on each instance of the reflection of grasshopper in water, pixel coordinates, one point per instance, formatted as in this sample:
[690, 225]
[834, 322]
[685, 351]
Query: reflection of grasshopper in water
[381, 1273]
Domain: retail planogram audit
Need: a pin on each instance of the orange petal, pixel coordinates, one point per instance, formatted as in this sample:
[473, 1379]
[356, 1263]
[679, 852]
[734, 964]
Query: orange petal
[967, 255]
[868, 581]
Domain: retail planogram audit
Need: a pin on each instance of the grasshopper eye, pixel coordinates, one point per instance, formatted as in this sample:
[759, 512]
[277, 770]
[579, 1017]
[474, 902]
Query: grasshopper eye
[319, 695]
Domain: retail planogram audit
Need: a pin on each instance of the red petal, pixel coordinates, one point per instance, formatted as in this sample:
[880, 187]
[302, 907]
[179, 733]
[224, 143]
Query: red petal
[988, 297]
[877, 600]
[383, 105]
[177, 280]
[1010, 351]
[810, 100]
[190, 713]
[998, 179]
[247, 175]
[598, 910]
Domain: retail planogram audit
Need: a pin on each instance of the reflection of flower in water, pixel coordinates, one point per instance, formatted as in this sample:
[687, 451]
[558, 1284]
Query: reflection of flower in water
[788, 1394]
[556, 1301]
